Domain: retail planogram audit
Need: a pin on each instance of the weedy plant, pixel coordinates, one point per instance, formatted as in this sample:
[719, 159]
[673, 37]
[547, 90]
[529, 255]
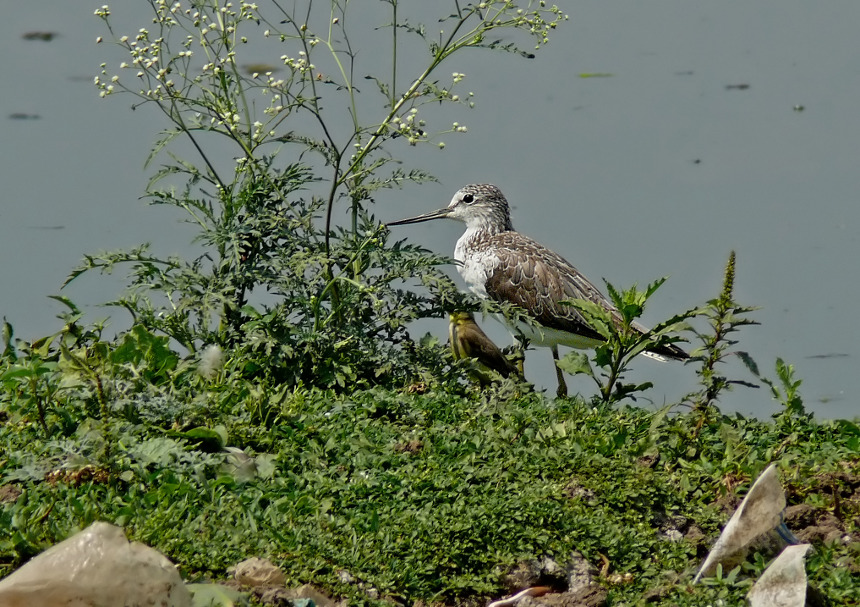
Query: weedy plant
[297, 295]
[724, 317]
[624, 340]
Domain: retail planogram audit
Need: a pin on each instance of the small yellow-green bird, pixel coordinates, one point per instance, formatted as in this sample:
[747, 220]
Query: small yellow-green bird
[469, 341]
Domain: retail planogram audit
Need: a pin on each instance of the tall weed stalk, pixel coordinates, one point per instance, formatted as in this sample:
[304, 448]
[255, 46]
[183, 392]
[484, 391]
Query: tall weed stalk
[277, 148]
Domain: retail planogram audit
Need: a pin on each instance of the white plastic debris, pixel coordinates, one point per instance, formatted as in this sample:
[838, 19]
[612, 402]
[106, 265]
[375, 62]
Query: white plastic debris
[97, 567]
[760, 512]
[516, 598]
[783, 584]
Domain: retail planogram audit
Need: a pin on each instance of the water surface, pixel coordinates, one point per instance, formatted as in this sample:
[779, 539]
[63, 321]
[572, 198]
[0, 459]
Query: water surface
[715, 127]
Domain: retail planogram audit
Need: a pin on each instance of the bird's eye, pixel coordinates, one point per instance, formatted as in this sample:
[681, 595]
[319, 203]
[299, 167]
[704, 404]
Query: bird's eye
[468, 199]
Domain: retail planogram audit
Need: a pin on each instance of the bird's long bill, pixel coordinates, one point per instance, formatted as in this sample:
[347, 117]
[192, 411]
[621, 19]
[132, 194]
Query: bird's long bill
[439, 214]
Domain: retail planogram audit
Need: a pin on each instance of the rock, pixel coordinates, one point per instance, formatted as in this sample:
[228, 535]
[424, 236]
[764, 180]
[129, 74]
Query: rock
[580, 573]
[574, 574]
[820, 534]
[655, 595]
[672, 526]
[280, 596]
[593, 595]
[258, 572]
[544, 578]
[695, 536]
[274, 595]
[97, 567]
[344, 576]
[800, 515]
[673, 535]
[9, 494]
[307, 591]
[524, 575]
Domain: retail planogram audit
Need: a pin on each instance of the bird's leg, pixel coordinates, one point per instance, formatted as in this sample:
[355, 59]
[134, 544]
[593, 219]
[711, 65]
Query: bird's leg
[562, 386]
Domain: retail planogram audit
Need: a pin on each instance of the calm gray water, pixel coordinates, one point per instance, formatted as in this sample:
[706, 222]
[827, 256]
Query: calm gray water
[722, 126]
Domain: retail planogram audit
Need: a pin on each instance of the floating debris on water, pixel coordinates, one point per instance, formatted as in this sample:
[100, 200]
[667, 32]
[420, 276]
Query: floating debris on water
[43, 36]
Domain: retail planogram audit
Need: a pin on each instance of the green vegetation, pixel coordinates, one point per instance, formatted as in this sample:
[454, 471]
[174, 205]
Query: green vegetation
[418, 496]
[268, 400]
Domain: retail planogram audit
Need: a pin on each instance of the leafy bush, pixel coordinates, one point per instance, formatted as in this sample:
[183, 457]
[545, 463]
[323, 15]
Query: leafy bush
[299, 298]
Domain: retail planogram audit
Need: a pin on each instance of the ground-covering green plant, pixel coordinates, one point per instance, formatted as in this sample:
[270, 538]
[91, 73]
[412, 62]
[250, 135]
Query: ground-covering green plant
[412, 496]
[391, 494]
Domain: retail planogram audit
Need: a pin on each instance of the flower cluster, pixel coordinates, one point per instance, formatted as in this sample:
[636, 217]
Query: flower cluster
[408, 126]
[537, 24]
[186, 62]
[537, 19]
[299, 64]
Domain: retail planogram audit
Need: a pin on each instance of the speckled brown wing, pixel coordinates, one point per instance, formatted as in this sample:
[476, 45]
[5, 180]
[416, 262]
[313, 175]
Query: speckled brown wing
[537, 279]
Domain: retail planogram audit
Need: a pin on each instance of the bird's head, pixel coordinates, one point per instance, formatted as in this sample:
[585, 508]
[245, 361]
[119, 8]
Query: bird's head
[460, 317]
[480, 206]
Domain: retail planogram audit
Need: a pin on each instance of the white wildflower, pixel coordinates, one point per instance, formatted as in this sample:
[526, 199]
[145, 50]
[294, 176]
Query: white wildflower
[211, 361]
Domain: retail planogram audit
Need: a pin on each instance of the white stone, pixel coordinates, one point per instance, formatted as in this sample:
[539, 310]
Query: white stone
[97, 567]
[258, 572]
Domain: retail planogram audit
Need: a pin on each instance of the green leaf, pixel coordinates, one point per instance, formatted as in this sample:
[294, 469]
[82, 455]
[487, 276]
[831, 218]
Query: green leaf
[216, 595]
[575, 363]
[209, 439]
[161, 451]
[66, 302]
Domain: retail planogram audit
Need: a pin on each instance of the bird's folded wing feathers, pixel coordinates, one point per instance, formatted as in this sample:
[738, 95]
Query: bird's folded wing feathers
[537, 280]
[488, 353]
